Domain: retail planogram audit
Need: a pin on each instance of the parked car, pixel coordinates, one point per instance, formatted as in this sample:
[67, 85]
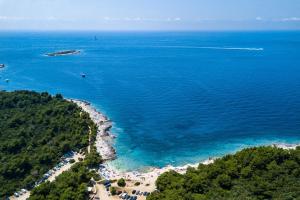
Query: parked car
[24, 190]
[16, 194]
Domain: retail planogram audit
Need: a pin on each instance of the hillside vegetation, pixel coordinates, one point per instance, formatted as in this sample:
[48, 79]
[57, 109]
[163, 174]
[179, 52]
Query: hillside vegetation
[36, 129]
[72, 184]
[255, 173]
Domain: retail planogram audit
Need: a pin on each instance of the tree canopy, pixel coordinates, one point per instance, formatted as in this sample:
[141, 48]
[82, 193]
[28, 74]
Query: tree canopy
[121, 182]
[70, 185]
[254, 173]
[36, 129]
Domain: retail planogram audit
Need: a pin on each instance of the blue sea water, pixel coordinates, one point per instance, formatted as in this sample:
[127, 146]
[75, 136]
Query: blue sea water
[174, 97]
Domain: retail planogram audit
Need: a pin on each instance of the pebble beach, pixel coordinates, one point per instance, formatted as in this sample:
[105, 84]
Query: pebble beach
[104, 144]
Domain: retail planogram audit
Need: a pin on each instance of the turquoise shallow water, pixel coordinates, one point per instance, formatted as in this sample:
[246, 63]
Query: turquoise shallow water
[175, 98]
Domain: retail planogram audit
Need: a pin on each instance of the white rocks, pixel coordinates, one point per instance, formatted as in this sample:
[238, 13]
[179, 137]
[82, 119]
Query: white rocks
[286, 146]
[104, 139]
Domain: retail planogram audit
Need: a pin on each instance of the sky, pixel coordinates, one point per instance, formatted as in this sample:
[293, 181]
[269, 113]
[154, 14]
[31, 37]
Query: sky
[150, 15]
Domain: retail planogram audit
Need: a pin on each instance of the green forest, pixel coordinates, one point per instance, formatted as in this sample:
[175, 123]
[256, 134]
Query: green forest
[71, 185]
[36, 129]
[254, 173]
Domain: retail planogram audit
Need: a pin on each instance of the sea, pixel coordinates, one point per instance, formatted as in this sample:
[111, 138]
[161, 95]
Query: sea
[174, 97]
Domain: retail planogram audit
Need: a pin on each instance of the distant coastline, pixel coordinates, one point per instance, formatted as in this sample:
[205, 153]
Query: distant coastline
[63, 53]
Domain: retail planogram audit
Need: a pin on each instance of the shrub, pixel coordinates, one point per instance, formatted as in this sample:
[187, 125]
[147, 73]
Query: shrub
[113, 191]
[137, 183]
[121, 182]
[97, 177]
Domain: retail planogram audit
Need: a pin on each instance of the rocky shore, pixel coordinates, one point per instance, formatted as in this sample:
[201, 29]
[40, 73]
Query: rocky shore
[286, 146]
[104, 138]
[148, 178]
[104, 146]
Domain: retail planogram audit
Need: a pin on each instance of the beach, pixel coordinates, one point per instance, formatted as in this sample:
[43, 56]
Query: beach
[104, 144]
[104, 137]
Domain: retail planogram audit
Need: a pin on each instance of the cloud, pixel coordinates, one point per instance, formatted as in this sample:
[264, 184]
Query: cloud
[258, 18]
[123, 19]
[290, 19]
[12, 18]
[51, 18]
[107, 18]
[137, 19]
[176, 19]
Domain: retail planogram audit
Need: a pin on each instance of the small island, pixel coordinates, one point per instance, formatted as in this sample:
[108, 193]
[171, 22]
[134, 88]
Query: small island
[63, 53]
[2, 65]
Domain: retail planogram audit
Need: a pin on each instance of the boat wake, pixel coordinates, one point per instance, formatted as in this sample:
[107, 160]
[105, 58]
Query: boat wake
[217, 48]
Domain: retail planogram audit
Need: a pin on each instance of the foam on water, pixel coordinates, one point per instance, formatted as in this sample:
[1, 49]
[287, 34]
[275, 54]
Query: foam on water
[216, 48]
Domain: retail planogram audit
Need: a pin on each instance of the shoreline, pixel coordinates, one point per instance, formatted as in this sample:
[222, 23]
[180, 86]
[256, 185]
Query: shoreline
[285, 146]
[104, 138]
[104, 144]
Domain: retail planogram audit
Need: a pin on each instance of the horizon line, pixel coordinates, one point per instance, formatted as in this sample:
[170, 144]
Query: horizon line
[149, 30]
